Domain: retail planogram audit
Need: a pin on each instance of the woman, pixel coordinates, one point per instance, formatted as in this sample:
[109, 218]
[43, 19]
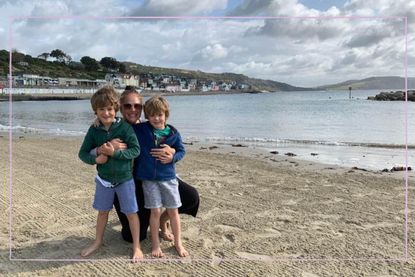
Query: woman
[131, 107]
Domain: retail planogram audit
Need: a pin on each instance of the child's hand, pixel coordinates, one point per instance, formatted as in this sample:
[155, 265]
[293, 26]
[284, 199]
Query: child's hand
[101, 159]
[107, 149]
[96, 122]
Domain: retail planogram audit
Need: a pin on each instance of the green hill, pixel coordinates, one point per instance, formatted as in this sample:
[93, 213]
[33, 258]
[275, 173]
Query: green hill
[380, 83]
[26, 64]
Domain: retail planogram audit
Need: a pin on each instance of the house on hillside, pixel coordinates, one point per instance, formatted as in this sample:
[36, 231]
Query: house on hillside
[113, 79]
[122, 80]
[130, 80]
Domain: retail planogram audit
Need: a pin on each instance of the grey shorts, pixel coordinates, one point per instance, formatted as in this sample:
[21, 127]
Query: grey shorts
[159, 194]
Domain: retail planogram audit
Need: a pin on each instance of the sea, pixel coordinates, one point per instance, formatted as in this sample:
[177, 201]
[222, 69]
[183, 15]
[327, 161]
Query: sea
[321, 126]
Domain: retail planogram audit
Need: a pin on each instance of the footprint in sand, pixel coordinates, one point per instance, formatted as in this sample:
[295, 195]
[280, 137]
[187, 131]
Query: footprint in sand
[308, 274]
[207, 243]
[283, 219]
[270, 233]
[320, 225]
[254, 257]
[225, 228]
[289, 202]
[229, 238]
[381, 225]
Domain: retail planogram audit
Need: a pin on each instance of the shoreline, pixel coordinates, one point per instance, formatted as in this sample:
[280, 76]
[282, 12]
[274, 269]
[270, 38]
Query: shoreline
[291, 156]
[87, 95]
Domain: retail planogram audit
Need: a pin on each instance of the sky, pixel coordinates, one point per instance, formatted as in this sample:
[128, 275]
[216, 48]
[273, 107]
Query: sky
[300, 42]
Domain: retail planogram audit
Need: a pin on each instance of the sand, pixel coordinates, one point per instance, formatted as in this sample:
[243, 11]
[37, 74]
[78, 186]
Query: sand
[261, 215]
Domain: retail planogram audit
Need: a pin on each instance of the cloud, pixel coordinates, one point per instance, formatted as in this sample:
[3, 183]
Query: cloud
[369, 39]
[301, 29]
[251, 7]
[215, 51]
[177, 7]
[273, 8]
[399, 8]
[371, 32]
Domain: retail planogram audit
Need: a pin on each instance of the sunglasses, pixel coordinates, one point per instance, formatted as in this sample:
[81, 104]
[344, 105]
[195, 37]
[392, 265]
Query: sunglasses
[129, 106]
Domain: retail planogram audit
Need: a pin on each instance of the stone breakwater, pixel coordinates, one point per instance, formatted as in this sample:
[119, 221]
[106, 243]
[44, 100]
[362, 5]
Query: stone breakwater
[393, 96]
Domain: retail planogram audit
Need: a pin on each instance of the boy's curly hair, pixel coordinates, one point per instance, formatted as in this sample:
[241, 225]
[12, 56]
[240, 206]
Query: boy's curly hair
[104, 97]
[155, 105]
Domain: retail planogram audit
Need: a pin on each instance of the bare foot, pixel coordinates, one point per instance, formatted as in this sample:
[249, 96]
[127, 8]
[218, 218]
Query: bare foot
[165, 232]
[181, 251]
[157, 253]
[166, 235]
[137, 255]
[90, 249]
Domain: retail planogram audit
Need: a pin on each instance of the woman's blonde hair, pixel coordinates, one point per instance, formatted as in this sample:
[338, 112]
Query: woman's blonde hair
[130, 90]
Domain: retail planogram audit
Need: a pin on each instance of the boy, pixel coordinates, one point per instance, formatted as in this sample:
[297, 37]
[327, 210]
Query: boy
[159, 180]
[114, 167]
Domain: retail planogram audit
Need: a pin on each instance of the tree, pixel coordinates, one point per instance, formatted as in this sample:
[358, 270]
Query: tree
[61, 56]
[17, 56]
[68, 59]
[122, 68]
[109, 63]
[90, 63]
[58, 55]
[44, 56]
[4, 55]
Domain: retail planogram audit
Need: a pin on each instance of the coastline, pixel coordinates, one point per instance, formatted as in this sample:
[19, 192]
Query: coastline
[383, 158]
[260, 214]
[87, 95]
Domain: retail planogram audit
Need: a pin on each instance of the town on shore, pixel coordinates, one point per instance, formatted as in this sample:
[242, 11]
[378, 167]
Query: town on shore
[146, 82]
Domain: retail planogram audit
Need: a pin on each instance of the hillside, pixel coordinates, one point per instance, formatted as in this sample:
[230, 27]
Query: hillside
[26, 64]
[380, 83]
[256, 84]
[45, 68]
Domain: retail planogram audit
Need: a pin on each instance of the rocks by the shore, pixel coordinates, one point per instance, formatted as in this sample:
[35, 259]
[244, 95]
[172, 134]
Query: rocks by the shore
[400, 168]
[393, 96]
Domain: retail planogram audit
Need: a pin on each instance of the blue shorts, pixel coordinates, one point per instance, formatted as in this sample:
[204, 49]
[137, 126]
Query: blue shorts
[159, 194]
[104, 197]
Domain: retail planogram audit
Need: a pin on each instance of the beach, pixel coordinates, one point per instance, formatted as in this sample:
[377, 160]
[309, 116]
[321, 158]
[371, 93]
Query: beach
[261, 214]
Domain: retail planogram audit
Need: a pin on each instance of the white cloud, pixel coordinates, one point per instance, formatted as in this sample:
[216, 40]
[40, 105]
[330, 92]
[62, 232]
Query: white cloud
[215, 51]
[177, 7]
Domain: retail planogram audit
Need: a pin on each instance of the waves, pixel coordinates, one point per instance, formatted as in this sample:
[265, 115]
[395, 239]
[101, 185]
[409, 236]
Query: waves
[30, 130]
[292, 142]
[254, 141]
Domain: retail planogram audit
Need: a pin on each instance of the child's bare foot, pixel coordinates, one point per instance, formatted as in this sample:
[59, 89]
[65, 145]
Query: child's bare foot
[181, 251]
[157, 253]
[165, 232]
[166, 235]
[90, 249]
[137, 255]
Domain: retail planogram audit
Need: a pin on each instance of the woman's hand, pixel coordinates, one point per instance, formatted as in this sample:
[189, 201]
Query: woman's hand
[164, 154]
[118, 144]
[96, 122]
[107, 149]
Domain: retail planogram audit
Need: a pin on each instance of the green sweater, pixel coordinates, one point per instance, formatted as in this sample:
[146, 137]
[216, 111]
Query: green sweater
[118, 168]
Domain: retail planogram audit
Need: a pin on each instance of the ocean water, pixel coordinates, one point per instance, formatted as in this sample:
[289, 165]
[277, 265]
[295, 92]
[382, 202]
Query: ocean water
[343, 131]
